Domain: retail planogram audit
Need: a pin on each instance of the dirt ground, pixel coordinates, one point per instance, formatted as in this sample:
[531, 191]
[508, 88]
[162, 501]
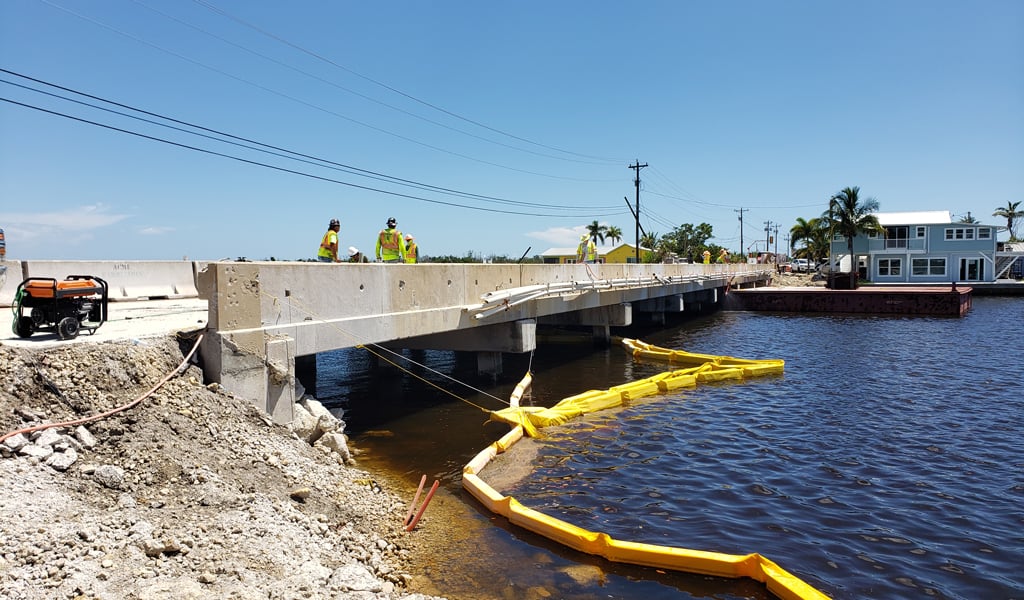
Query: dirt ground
[190, 493]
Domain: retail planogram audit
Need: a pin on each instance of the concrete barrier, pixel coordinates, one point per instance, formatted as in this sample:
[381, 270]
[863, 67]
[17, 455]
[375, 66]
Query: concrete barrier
[10, 277]
[128, 280]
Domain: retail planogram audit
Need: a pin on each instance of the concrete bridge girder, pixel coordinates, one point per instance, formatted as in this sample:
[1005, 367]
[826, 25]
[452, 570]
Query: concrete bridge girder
[264, 315]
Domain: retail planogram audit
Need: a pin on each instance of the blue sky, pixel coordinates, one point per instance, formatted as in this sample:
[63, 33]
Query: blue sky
[491, 127]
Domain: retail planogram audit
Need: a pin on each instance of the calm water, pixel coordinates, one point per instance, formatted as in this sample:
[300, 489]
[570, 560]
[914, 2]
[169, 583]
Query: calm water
[885, 463]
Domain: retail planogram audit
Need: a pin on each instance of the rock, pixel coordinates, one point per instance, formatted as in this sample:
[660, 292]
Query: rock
[87, 440]
[62, 461]
[17, 442]
[109, 476]
[337, 443]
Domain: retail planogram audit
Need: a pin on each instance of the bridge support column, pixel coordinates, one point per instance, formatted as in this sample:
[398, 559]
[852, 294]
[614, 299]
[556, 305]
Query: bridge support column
[602, 335]
[489, 363]
[248, 362]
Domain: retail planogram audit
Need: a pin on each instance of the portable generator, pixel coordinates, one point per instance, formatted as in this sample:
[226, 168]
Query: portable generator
[65, 307]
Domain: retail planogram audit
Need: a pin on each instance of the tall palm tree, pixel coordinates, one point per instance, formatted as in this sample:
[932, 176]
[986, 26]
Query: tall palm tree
[803, 231]
[597, 231]
[1011, 214]
[613, 233]
[850, 216]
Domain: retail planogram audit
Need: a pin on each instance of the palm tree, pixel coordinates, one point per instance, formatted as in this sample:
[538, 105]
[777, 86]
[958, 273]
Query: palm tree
[850, 216]
[597, 231]
[803, 231]
[814, 234]
[613, 233]
[650, 241]
[1011, 214]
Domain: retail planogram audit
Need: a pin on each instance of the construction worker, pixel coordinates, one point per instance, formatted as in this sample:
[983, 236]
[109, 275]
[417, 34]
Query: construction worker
[390, 248]
[707, 257]
[723, 256]
[412, 251]
[587, 250]
[328, 251]
[354, 255]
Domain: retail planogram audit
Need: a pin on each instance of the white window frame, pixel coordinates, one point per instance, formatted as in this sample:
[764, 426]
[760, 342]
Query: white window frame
[930, 267]
[984, 233]
[960, 234]
[890, 267]
[921, 231]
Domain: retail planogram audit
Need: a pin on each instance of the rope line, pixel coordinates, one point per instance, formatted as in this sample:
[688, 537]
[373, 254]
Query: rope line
[380, 350]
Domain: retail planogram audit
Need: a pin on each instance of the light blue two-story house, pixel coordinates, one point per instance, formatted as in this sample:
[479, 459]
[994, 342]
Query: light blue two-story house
[922, 247]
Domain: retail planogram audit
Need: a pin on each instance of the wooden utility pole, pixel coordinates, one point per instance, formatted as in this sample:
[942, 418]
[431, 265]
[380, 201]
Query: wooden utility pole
[743, 250]
[636, 213]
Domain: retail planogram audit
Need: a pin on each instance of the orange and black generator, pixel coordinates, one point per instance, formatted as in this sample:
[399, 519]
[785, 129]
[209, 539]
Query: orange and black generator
[65, 307]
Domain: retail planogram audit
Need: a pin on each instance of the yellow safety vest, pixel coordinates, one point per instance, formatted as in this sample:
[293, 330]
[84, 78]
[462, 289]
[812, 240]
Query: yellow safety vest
[325, 244]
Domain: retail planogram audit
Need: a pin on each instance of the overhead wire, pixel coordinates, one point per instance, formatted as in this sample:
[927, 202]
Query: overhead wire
[224, 13]
[327, 163]
[586, 212]
[305, 103]
[348, 90]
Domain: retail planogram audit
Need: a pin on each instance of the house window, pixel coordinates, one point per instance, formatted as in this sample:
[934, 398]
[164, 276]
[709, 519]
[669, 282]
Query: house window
[920, 231]
[984, 233]
[896, 237]
[966, 233]
[928, 266]
[889, 267]
[872, 234]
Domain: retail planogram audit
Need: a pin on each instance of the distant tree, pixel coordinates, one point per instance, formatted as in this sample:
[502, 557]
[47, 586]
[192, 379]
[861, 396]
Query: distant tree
[613, 233]
[814, 234]
[597, 231]
[1011, 213]
[688, 240]
[849, 216]
[967, 218]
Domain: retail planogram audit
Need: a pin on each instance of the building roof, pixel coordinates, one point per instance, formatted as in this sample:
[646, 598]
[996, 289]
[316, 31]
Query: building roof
[921, 217]
[571, 251]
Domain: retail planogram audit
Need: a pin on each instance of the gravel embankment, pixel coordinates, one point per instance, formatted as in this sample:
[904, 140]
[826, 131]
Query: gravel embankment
[192, 493]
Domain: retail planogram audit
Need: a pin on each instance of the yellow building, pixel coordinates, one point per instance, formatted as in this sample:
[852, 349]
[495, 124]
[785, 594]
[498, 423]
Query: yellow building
[623, 253]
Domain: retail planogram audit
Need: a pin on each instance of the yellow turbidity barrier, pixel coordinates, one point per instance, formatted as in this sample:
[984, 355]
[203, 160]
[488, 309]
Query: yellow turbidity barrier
[528, 420]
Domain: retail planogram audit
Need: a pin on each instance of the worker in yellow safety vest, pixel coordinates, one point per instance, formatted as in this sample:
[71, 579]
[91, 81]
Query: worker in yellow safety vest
[412, 251]
[328, 251]
[390, 248]
[587, 250]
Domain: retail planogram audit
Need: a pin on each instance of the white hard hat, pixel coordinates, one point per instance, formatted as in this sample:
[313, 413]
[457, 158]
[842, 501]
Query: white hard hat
[352, 251]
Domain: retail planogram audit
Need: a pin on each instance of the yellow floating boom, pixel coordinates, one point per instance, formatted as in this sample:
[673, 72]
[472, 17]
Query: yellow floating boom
[527, 421]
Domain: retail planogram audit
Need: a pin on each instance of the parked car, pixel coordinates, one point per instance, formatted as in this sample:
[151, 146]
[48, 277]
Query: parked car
[800, 265]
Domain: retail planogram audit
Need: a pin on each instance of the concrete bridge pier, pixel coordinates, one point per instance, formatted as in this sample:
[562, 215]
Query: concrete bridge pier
[249, 361]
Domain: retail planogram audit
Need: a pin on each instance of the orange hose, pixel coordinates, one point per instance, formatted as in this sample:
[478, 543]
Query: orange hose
[412, 506]
[112, 411]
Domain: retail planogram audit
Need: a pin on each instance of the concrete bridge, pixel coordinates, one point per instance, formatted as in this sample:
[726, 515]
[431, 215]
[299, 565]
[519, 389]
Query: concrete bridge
[268, 320]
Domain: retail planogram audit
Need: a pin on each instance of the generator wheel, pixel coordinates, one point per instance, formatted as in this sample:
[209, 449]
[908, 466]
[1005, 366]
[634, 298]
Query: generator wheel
[24, 327]
[68, 328]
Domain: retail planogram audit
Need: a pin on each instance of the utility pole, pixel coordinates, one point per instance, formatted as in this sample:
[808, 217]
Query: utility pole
[636, 213]
[777, 266]
[743, 251]
[767, 236]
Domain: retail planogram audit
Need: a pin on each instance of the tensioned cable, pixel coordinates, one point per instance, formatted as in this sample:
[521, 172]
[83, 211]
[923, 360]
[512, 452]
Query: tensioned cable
[303, 102]
[292, 171]
[392, 89]
[313, 159]
[366, 346]
[353, 92]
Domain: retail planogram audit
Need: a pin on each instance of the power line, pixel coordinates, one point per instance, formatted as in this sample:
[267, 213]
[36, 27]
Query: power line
[329, 164]
[307, 104]
[293, 171]
[340, 87]
[388, 87]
